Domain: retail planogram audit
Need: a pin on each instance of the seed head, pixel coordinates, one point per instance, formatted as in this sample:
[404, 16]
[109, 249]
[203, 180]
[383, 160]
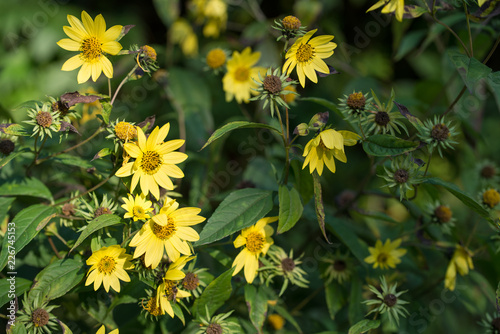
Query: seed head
[68, 209]
[356, 101]
[125, 130]
[440, 132]
[214, 329]
[488, 172]
[401, 176]
[382, 118]
[491, 198]
[149, 52]
[44, 119]
[287, 264]
[216, 58]
[443, 214]
[40, 317]
[101, 211]
[291, 22]
[7, 146]
[190, 281]
[390, 300]
[272, 84]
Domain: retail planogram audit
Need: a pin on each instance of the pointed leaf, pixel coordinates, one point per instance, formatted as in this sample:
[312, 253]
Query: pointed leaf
[387, 145]
[9, 291]
[95, 225]
[242, 208]
[290, 208]
[363, 326]
[257, 306]
[335, 300]
[318, 204]
[26, 187]
[214, 295]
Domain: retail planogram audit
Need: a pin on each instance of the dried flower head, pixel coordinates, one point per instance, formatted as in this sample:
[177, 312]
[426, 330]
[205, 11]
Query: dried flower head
[44, 120]
[437, 134]
[403, 174]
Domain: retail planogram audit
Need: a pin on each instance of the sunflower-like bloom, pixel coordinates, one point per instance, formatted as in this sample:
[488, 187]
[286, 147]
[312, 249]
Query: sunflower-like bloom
[461, 261]
[390, 6]
[102, 330]
[167, 231]
[137, 208]
[308, 54]
[322, 149]
[155, 162]
[93, 41]
[257, 240]
[108, 267]
[167, 291]
[387, 255]
[237, 82]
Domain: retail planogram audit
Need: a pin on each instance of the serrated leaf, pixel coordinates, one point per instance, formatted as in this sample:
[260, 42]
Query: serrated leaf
[462, 196]
[318, 205]
[290, 208]
[95, 225]
[257, 306]
[26, 222]
[26, 187]
[56, 279]
[335, 299]
[21, 285]
[363, 326]
[214, 295]
[242, 208]
[233, 126]
[387, 145]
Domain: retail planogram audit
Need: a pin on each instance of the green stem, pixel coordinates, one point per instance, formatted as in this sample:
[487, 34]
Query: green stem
[449, 29]
[123, 82]
[468, 29]
[109, 87]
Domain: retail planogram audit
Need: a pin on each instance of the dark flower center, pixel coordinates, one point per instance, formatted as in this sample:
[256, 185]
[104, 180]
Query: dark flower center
[190, 281]
[214, 329]
[272, 84]
[443, 214]
[382, 118]
[401, 176]
[440, 132]
[7, 146]
[339, 265]
[496, 323]
[40, 317]
[101, 211]
[287, 264]
[356, 101]
[390, 300]
[44, 118]
[488, 172]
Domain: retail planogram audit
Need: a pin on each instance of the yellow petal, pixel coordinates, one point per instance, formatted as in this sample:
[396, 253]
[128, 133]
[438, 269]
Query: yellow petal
[88, 23]
[99, 25]
[111, 47]
[84, 73]
[112, 33]
[107, 67]
[72, 63]
[69, 44]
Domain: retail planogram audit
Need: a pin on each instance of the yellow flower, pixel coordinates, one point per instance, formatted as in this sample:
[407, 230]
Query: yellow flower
[168, 231]
[137, 208]
[390, 6]
[155, 162]
[322, 149]
[237, 82]
[387, 255]
[276, 321]
[308, 54]
[167, 291]
[461, 261]
[108, 267]
[102, 330]
[216, 13]
[216, 58]
[257, 239]
[182, 33]
[93, 41]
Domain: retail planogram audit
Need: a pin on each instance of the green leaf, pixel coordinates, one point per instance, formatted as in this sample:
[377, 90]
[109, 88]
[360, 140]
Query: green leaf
[303, 181]
[178, 312]
[290, 318]
[462, 196]
[290, 208]
[95, 225]
[257, 306]
[105, 111]
[318, 204]
[409, 42]
[494, 83]
[26, 187]
[343, 230]
[64, 328]
[470, 69]
[9, 158]
[72, 160]
[18, 328]
[242, 208]
[8, 291]
[25, 222]
[57, 278]
[220, 256]
[355, 299]
[385, 145]
[13, 129]
[334, 298]
[102, 153]
[233, 126]
[167, 10]
[363, 326]
[5, 203]
[214, 295]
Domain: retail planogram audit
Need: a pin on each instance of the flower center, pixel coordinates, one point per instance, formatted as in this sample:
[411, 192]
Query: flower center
[382, 118]
[170, 290]
[287, 264]
[390, 300]
[138, 211]
[356, 101]
[44, 118]
[40, 317]
[339, 265]
[496, 323]
[488, 172]
[152, 307]
[216, 58]
[382, 258]
[305, 52]
[242, 74]
[151, 162]
[101, 211]
[440, 132]
[443, 214]
[401, 176]
[191, 281]
[255, 242]
[125, 130]
[272, 84]
[106, 265]
[91, 49]
[164, 232]
[491, 198]
[214, 328]
[68, 209]
[7, 146]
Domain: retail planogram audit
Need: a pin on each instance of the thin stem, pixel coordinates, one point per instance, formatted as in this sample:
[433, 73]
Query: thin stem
[123, 82]
[361, 127]
[307, 300]
[428, 164]
[287, 147]
[459, 96]
[99, 130]
[468, 29]
[492, 51]
[449, 29]
[109, 87]
[54, 247]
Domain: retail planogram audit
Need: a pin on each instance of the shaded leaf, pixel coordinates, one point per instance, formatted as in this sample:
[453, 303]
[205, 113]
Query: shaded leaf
[20, 286]
[233, 126]
[242, 208]
[95, 225]
[318, 205]
[355, 299]
[56, 279]
[470, 69]
[290, 208]
[147, 124]
[387, 145]
[344, 231]
[26, 222]
[125, 30]
[214, 295]
[26, 187]
[335, 299]
[257, 306]
[406, 113]
[290, 318]
[363, 326]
